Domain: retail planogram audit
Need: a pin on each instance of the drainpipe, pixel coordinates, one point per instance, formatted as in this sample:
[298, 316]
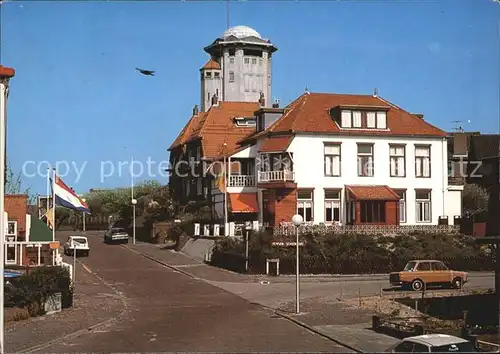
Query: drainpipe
[444, 168]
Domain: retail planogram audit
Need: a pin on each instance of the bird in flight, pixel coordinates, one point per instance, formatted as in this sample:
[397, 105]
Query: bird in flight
[146, 72]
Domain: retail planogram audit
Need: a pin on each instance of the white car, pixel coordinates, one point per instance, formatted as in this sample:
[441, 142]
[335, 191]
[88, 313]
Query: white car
[80, 244]
[433, 343]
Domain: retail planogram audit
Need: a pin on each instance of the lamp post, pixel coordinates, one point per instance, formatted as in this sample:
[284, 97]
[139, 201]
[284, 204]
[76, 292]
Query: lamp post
[134, 202]
[248, 228]
[297, 220]
[83, 200]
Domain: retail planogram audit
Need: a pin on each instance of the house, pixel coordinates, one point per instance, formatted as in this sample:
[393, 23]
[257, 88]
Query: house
[333, 158]
[483, 170]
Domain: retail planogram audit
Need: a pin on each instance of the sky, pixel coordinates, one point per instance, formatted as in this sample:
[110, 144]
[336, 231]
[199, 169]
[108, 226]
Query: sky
[76, 98]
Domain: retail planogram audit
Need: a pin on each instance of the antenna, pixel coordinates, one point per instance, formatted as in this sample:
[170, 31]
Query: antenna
[458, 127]
[227, 14]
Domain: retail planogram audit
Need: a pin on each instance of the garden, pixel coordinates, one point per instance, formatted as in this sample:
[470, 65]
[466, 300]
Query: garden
[353, 253]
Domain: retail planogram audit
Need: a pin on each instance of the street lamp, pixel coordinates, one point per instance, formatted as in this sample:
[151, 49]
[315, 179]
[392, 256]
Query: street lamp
[248, 228]
[134, 202]
[297, 220]
[84, 200]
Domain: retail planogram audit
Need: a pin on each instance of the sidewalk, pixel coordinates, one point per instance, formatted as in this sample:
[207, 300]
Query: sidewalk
[94, 303]
[324, 315]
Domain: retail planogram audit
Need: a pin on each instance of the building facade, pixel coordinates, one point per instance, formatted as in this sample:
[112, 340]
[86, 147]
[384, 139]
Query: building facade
[333, 158]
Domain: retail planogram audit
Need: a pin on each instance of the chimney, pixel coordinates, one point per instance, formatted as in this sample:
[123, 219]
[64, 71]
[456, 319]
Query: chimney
[215, 99]
[419, 115]
[375, 92]
[276, 103]
[195, 110]
[262, 100]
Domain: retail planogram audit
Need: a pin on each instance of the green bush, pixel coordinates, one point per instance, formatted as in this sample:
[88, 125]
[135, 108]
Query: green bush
[32, 289]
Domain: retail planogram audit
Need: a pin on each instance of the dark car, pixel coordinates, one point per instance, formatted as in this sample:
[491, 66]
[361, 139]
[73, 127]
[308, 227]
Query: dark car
[116, 235]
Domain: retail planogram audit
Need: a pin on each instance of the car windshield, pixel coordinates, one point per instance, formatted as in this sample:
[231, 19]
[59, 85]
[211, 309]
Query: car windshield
[465, 347]
[118, 231]
[410, 266]
[79, 239]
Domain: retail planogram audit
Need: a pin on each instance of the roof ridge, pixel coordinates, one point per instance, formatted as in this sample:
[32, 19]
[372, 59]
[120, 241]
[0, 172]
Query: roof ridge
[299, 107]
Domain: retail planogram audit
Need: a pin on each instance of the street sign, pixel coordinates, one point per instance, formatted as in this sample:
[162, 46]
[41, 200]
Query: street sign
[286, 244]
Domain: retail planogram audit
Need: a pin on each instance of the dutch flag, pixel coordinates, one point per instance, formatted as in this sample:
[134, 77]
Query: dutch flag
[67, 198]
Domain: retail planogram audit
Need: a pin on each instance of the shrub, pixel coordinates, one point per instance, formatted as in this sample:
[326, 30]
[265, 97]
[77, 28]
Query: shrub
[16, 314]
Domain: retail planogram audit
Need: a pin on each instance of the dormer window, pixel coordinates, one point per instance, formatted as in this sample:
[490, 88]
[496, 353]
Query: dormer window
[363, 119]
[245, 122]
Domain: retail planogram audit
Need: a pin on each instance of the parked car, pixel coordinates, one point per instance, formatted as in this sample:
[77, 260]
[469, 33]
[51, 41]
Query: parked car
[433, 343]
[116, 235]
[78, 244]
[420, 273]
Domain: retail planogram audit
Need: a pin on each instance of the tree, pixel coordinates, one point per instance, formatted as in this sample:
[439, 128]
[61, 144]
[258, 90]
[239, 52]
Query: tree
[14, 184]
[474, 199]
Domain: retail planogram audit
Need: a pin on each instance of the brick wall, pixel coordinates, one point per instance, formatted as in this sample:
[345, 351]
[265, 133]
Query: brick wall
[16, 206]
[285, 205]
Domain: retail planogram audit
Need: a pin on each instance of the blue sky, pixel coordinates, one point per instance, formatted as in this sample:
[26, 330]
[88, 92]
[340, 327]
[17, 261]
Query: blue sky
[76, 96]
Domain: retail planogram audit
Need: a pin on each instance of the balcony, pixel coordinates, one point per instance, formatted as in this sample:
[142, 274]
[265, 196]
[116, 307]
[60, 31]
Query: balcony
[277, 179]
[241, 181]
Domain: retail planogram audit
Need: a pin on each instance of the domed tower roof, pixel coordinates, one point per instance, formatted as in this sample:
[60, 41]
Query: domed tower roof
[241, 32]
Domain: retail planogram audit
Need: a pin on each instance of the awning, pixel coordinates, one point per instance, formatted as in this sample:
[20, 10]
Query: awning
[244, 202]
[372, 193]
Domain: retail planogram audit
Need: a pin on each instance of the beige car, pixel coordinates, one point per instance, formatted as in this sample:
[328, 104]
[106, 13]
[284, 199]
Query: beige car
[422, 273]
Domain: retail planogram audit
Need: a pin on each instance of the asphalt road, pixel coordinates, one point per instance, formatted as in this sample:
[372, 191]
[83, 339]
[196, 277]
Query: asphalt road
[169, 311]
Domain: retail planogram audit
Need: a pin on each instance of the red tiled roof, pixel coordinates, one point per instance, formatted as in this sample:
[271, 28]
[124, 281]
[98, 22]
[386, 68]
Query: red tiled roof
[6, 72]
[372, 193]
[216, 127]
[276, 143]
[211, 65]
[310, 113]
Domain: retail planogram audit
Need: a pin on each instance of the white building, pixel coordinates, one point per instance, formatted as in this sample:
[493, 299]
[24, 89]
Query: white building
[333, 158]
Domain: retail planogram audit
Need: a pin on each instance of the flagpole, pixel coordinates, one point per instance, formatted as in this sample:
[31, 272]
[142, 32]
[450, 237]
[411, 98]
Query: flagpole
[54, 205]
[226, 225]
[48, 192]
[3, 136]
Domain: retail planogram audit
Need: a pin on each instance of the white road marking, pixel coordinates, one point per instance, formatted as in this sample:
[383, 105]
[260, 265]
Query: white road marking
[86, 268]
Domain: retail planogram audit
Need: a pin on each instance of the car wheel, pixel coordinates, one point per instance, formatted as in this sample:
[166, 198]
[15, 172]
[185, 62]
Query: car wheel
[457, 283]
[417, 285]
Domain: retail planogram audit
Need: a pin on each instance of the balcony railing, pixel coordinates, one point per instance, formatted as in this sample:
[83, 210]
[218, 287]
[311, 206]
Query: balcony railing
[241, 181]
[276, 176]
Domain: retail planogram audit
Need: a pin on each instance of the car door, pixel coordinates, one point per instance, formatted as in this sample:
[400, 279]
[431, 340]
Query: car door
[420, 348]
[441, 273]
[424, 272]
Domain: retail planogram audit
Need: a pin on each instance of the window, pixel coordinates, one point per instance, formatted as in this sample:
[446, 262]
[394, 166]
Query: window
[216, 74]
[439, 266]
[346, 119]
[424, 266]
[305, 204]
[254, 61]
[332, 160]
[231, 76]
[405, 347]
[371, 121]
[423, 205]
[365, 160]
[247, 60]
[423, 161]
[260, 62]
[199, 186]
[198, 153]
[332, 205]
[420, 348]
[231, 60]
[208, 74]
[11, 228]
[402, 206]
[356, 119]
[397, 160]
[381, 120]
[372, 211]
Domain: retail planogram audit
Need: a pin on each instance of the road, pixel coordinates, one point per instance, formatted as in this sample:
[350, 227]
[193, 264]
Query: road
[168, 311]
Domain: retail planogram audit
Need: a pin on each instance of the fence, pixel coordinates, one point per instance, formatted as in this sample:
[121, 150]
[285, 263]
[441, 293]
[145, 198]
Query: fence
[76, 223]
[333, 265]
[289, 229]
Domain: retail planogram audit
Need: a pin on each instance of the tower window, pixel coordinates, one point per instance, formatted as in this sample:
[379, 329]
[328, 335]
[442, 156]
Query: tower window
[231, 60]
[260, 61]
[216, 74]
[232, 52]
[254, 61]
[208, 74]
[231, 76]
[247, 60]
[252, 52]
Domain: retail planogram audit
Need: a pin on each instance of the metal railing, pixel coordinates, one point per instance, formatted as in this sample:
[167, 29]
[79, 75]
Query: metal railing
[241, 181]
[276, 176]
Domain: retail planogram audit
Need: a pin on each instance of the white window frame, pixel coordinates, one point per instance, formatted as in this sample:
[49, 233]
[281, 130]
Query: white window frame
[231, 76]
[7, 233]
[332, 160]
[304, 204]
[420, 207]
[402, 206]
[357, 119]
[381, 120]
[333, 203]
[231, 60]
[394, 157]
[371, 172]
[421, 160]
[346, 118]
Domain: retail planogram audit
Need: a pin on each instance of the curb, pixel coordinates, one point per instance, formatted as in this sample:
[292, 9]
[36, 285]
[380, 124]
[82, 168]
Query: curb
[104, 323]
[277, 312]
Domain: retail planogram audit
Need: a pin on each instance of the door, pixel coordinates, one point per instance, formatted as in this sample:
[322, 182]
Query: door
[10, 253]
[424, 272]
